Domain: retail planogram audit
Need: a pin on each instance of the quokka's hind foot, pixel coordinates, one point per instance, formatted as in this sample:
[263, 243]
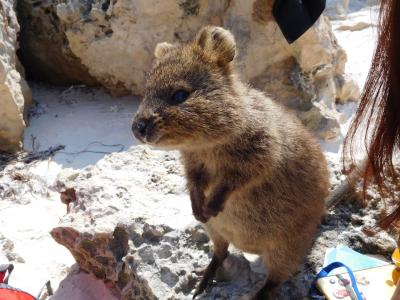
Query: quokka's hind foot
[209, 273]
[220, 253]
[268, 291]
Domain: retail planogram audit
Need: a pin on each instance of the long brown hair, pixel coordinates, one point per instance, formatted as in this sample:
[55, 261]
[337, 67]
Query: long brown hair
[379, 108]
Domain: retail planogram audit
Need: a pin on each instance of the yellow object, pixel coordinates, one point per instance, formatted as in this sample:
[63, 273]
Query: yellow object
[396, 257]
[396, 261]
[395, 276]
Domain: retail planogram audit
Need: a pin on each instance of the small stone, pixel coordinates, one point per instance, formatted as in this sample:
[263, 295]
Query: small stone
[164, 251]
[19, 166]
[168, 277]
[146, 254]
[12, 256]
[153, 233]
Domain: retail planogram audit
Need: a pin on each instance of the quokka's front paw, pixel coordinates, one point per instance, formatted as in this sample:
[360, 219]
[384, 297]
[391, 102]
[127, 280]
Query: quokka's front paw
[200, 217]
[210, 210]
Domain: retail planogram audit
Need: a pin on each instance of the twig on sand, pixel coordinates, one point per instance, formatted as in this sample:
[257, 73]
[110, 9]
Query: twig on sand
[121, 147]
[28, 157]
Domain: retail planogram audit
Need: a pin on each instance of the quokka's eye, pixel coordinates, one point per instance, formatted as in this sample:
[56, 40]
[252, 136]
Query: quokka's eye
[179, 96]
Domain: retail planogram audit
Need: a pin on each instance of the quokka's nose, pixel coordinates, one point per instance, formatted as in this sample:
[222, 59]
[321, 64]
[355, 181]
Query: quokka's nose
[139, 128]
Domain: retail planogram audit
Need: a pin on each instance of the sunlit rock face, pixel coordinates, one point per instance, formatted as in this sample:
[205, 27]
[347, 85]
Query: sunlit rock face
[15, 94]
[111, 43]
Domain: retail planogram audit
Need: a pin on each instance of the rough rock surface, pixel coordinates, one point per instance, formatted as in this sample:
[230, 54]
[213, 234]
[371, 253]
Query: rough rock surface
[113, 41]
[44, 47]
[134, 230]
[15, 94]
[101, 254]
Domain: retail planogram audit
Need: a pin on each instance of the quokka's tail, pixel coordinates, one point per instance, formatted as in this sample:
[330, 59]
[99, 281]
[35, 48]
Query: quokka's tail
[346, 188]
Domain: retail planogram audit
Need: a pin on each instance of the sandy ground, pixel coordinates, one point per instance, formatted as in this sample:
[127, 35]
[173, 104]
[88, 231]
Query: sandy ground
[91, 124]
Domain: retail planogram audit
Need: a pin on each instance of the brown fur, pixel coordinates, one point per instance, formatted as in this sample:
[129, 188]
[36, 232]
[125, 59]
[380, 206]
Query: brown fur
[256, 177]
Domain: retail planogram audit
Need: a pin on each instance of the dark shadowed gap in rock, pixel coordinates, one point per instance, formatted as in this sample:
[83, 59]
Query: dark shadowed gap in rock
[44, 51]
[123, 277]
[109, 32]
[286, 79]
[105, 5]
[36, 3]
[190, 7]
[119, 244]
[86, 7]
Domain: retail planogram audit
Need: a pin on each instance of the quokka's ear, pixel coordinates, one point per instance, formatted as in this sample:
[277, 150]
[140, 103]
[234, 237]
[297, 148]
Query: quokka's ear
[218, 42]
[162, 49]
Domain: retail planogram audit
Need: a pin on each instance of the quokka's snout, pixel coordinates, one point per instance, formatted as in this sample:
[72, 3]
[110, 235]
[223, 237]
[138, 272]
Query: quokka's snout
[142, 128]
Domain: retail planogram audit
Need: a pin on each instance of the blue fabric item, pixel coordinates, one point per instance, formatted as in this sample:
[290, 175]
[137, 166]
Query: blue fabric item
[314, 293]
